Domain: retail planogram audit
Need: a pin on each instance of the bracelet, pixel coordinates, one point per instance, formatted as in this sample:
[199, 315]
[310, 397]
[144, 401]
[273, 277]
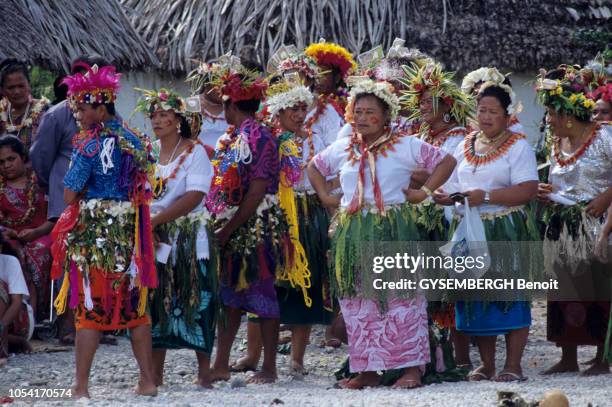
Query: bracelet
[426, 190]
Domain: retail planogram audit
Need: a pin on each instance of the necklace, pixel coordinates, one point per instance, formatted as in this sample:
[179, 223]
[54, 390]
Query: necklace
[30, 187]
[490, 141]
[430, 136]
[24, 116]
[563, 162]
[476, 159]
[173, 152]
[161, 182]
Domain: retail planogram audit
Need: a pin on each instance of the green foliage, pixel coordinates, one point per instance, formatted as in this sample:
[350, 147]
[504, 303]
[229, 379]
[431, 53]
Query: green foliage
[41, 82]
[592, 36]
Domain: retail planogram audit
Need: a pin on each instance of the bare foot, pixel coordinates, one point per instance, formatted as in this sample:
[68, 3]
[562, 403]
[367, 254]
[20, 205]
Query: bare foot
[298, 368]
[219, 375]
[366, 379]
[411, 379]
[597, 369]
[243, 364]
[205, 382]
[145, 389]
[481, 373]
[79, 393]
[561, 367]
[510, 375]
[262, 377]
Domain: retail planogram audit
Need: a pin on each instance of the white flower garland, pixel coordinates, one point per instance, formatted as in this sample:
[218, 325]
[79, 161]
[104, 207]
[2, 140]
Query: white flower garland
[515, 106]
[284, 100]
[382, 90]
[481, 75]
[34, 112]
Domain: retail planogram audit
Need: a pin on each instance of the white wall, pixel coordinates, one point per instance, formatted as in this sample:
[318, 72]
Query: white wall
[531, 116]
[126, 101]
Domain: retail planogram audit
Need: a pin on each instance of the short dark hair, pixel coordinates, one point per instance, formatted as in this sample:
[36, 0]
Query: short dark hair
[498, 93]
[12, 142]
[11, 66]
[250, 106]
[185, 127]
[89, 59]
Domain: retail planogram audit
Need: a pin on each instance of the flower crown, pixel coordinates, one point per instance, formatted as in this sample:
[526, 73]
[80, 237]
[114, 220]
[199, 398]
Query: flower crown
[164, 99]
[603, 92]
[484, 74]
[239, 83]
[566, 95]
[363, 85]
[441, 85]
[284, 95]
[301, 63]
[202, 75]
[328, 53]
[97, 85]
[515, 106]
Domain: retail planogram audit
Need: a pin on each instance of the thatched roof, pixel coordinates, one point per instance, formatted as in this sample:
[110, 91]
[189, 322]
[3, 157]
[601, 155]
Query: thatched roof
[517, 35]
[52, 33]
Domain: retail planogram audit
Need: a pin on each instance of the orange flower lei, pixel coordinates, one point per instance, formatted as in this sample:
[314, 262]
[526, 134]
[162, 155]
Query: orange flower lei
[563, 162]
[161, 183]
[430, 137]
[469, 149]
[31, 189]
[356, 144]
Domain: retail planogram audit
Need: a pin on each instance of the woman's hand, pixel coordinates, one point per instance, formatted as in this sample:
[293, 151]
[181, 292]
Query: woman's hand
[9, 233]
[331, 201]
[543, 191]
[28, 235]
[598, 206]
[442, 198]
[475, 197]
[415, 196]
[222, 236]
[418, 178]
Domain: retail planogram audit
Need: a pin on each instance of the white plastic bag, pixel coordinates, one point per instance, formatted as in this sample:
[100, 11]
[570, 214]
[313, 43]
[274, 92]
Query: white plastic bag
[470, 240]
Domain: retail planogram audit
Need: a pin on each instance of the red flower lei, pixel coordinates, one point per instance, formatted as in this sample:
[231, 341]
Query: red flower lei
[430, 137]
[31, 188]
[469, 149]
[563, 162]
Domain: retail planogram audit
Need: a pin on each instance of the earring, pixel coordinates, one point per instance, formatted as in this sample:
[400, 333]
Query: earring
[446, 118]
[569, 124]
[178, 128]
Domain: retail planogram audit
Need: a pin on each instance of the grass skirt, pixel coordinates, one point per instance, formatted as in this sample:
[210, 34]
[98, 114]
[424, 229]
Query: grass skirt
[183, 307]
[313, 232]
[479, 318]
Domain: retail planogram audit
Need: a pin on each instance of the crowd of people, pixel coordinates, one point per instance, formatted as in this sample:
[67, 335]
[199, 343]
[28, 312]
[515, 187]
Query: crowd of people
[258, 195]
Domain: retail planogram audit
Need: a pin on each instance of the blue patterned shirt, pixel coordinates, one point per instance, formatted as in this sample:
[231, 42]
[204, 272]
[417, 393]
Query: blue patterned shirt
[86, 168]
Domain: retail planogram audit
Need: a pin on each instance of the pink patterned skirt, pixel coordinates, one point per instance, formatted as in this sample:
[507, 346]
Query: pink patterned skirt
[396, 339]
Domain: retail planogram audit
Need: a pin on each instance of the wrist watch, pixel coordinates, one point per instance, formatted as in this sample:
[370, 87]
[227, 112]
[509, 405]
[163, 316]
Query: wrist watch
[426, 190]
[487, 197]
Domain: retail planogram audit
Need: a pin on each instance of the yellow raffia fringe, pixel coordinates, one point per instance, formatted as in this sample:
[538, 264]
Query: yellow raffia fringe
[297, 273]
[142, 301]
[242, 284]
[62, 297]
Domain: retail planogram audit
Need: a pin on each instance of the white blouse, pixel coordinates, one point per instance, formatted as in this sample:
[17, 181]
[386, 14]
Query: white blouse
[195, 174]
[516, 166]
[327, 125]
[212, 129]
[393, 171]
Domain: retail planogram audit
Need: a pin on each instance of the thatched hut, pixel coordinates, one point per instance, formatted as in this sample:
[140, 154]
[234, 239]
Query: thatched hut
[516, 36]
[52, 33]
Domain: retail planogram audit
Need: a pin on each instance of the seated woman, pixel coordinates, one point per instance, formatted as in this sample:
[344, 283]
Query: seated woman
[16, 322]
[23, 211]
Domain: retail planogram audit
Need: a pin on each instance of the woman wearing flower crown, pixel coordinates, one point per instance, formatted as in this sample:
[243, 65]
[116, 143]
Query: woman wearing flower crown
[580, 172]
[474, 80]
[183, 305]
[497, 173]
[19, 113]
[251, 227]
[442, 111]
[334, 65]
[103, 243]
[384, 332]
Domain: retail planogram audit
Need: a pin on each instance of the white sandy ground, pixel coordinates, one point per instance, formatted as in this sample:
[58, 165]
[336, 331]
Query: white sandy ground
[114, 374]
